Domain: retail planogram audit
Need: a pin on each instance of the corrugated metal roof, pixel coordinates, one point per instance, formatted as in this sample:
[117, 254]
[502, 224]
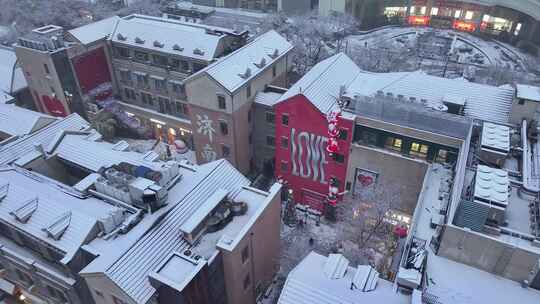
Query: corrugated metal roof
[256, 56]
[322, 85]
[483, 102]
[130, 272]
[18, 121]
[93, 155]
[16, 149]
[307, 284]
[50, 205]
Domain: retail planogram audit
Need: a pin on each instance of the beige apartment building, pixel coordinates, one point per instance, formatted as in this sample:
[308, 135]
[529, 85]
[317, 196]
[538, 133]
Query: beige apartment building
[221, 98]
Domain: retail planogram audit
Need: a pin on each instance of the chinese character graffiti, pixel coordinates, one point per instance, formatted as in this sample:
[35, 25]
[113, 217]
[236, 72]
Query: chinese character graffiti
[205, 126]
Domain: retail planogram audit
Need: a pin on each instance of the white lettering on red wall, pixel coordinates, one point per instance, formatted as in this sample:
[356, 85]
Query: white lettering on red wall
[308, 155]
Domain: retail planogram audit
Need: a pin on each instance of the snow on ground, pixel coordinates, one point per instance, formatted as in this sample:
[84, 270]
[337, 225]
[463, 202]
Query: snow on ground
[474, 52]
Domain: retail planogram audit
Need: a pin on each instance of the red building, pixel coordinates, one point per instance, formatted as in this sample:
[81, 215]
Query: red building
[302, 135]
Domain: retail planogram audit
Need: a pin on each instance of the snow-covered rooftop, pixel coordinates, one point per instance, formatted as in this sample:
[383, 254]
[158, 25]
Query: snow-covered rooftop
[528, 92]
[35, 205]
[491, 185]
[456, 283]
[267, 98]
[496, 137]
[169, 36]
[324, 83]
[307, 283]
[246, 63]
[130, 271]
[482, 102]
[11, 76]
[17, 121]
[95, 31]
[87, 151]
[27, 144]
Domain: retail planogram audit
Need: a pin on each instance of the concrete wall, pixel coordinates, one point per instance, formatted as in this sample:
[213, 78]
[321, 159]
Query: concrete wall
[39, 81]
[395, 173]
[106, 288]
[41, 276]
[294, 7]
[262, 129]
[410, 132]
[487, 253]
[203, 92]
[526, 111]
[263, 243]
[326, 7]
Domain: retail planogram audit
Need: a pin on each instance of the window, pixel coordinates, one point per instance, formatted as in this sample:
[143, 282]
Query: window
[224, 127]
[442, 155]
[125, 75]
[247, 281]
[130, 94]
[46, 67]
[245, 254]
[221, 102]
[274, 71]
[457, 14]
[270, 141]
[160, 60]
[142, 80]
[178, 88]
[185, 66]
[24, 277]
[168, 107]
[164, 105]
[117, 300]
[469, 15]
[285, 119]
[284, 167]
[249, 115]
[122, 52]
[197, 67]
[248, 91]
[270, 118]
[225, 151]
[57, 294]
[434, 11]
[394, 143]
[368, 138]
[284, 142]
[160, 84]
[339, 158]
[141, 56]
[181, 108]
[418, 149]
[521, 102]
[423, 10]
[343, 134]
[147, 99]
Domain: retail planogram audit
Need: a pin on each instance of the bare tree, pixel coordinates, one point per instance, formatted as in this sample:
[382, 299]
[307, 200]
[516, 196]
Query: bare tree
[367, 214]
[315, 37]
